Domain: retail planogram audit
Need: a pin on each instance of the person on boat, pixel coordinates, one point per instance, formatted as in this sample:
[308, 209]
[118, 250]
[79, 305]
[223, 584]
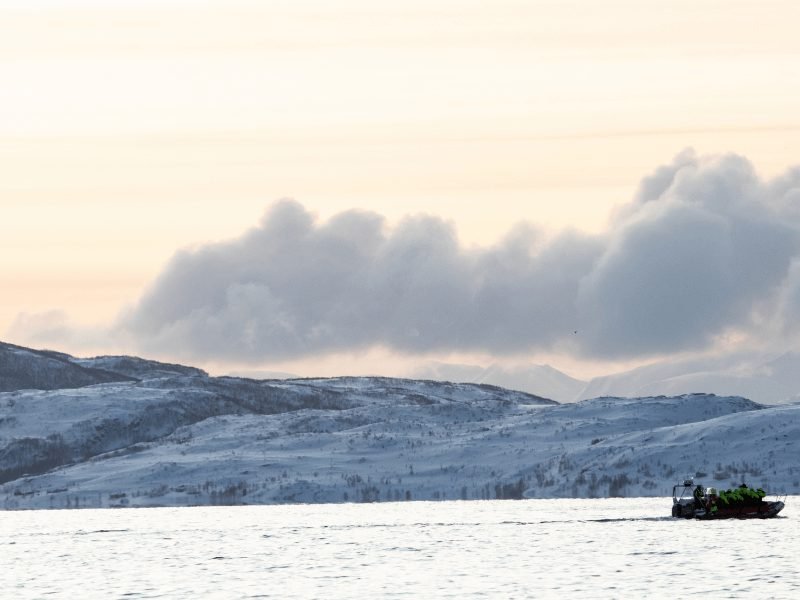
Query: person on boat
[699, 496]
[711, 504]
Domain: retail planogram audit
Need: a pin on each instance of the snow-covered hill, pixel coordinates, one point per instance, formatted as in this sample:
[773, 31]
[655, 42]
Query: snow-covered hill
[176, 436]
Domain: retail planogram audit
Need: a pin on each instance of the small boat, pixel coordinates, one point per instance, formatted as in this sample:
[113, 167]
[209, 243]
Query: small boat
[691, 501]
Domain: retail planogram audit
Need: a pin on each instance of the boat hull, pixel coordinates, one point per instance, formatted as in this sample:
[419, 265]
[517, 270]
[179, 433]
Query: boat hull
[764, 510]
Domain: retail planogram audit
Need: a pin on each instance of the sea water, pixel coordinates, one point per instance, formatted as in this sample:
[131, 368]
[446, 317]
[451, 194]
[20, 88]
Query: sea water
[615, 548]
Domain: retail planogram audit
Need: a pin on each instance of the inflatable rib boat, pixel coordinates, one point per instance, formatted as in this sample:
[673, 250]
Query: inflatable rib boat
[690, 501]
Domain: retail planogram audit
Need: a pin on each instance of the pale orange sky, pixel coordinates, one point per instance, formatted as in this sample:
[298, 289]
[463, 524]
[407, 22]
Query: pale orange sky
[131, 129]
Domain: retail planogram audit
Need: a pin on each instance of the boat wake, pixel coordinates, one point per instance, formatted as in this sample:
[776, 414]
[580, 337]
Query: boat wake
[598, 520]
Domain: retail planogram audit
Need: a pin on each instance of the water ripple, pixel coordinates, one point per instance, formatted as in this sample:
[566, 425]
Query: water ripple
[532, 548]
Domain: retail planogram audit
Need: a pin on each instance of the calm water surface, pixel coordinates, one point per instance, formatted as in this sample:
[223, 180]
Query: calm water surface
[620, 548]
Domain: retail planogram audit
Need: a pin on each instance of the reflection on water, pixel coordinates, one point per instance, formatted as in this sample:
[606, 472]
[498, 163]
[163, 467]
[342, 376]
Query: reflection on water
[498, 549]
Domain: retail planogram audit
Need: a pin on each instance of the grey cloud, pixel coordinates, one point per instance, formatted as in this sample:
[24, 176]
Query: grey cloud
[690, 264]
[294, 287]
[787, 309]
[655, 185]
[702, 248]
[674, 282]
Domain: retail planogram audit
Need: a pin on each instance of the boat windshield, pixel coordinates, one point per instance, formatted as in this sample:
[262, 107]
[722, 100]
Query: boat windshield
[682, 491]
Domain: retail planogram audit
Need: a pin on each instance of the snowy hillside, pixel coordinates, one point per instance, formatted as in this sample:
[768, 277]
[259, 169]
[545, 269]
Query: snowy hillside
[176, 436]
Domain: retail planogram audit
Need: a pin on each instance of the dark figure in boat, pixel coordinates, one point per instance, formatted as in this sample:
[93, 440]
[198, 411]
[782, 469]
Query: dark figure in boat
[712, 501]
[699, 497]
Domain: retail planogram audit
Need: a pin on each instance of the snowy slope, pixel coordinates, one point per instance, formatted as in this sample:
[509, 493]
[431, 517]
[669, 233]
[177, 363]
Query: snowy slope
[181, 437]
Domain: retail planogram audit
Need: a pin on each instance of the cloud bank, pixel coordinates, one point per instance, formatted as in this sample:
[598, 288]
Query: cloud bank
[706, 250]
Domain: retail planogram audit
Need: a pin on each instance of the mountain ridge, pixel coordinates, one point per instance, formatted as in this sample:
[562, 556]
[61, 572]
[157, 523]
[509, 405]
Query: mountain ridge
[25, 368]
[176, 436]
